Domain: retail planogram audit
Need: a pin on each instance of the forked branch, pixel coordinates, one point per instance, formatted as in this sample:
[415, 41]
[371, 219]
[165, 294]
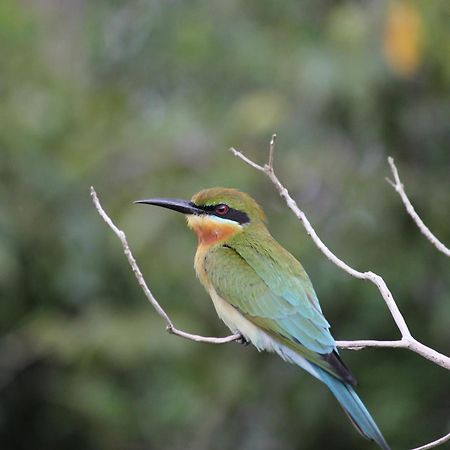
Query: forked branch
[407, 341]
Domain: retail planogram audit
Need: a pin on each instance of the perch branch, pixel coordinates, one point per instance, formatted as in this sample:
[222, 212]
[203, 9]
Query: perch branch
[407, 341]
[137, 272]
[360, 345]
[398, 186]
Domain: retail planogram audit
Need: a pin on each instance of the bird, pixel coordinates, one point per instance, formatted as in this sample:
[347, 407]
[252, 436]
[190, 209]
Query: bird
[262, 292]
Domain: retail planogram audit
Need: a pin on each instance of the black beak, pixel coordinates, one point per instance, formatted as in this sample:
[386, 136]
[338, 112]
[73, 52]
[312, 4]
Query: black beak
[182, 206]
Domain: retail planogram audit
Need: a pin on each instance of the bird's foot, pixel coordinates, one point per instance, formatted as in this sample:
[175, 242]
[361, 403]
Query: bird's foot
[242, 341]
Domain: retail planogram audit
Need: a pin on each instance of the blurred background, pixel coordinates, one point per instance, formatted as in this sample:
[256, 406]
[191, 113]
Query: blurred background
[143, 98]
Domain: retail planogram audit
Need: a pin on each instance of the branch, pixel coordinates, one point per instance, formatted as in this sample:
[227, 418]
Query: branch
[407, 341]
[408, 344]
[360, 345]
[435, 443]
[169, 324]
[398, 186]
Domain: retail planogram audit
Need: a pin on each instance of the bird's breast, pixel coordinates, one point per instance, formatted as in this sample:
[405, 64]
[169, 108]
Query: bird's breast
[199, 265]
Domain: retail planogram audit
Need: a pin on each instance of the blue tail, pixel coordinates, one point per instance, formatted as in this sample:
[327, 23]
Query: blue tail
[354, 407]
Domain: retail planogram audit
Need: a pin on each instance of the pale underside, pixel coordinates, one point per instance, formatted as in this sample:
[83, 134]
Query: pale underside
[237, 323]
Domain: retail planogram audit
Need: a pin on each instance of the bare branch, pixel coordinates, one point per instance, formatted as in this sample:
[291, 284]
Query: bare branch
[246, 160]
[360, 345]
[398, 186]
[406, 343]
[169, 325]
[435, 443]
[407, 339]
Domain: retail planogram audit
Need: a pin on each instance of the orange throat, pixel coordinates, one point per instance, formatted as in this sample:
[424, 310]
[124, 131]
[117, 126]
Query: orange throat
[210, 231]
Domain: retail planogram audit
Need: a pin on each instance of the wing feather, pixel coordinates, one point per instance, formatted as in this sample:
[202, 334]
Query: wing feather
[279, 298]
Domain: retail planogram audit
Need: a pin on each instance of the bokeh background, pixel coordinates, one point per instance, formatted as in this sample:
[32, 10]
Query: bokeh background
[143, 98]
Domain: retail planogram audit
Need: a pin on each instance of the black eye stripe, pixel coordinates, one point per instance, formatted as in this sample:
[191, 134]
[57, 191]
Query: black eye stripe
[232, 214]
[236, 216]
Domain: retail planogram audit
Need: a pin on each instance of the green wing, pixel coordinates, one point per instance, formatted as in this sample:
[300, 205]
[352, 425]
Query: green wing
[275, 293]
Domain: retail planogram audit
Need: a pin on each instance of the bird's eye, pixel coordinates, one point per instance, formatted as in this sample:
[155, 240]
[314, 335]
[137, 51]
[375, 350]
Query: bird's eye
[221, 209]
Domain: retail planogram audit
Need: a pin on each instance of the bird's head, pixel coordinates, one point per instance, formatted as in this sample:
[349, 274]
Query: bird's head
[216, 214]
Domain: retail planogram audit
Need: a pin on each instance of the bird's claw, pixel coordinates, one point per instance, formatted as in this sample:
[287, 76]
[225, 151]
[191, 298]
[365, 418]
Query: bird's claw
[242, 340]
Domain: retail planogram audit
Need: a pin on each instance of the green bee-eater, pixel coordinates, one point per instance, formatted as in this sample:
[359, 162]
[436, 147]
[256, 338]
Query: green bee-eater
[263, 293]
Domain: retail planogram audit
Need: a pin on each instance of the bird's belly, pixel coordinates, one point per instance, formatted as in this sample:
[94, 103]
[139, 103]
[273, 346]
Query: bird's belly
[232, 318]
[237, 323]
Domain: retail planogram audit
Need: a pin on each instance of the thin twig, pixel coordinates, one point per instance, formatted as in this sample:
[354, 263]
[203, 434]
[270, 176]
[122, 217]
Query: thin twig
[169, 324]
[398, 186]
[435, 443]
[407, 339]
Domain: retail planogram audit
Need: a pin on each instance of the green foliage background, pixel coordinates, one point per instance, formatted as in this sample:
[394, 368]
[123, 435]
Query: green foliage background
[143, 98]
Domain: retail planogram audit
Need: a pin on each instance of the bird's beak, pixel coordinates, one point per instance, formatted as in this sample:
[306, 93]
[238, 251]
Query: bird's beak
[182, 206]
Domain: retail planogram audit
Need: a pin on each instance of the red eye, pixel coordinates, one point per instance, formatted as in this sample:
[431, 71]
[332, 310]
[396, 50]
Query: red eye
[221, 209]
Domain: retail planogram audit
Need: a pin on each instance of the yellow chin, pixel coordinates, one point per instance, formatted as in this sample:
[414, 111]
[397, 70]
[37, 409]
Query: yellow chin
[211, 230]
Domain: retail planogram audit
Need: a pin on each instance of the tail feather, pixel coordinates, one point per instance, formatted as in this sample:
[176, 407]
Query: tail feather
[354, 407]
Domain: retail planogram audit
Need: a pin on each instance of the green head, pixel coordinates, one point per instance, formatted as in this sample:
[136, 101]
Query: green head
[216, 214]
[230, 204]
